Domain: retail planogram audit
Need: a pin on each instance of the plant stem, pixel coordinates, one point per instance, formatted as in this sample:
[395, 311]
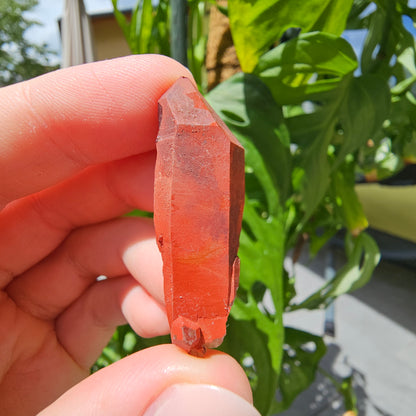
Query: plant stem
[179, 30]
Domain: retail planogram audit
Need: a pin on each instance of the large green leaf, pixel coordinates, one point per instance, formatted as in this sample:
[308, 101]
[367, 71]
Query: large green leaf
[347, 121]
[248, 345]
[313, 134]
[365, 107]
[248, 108]
[257, 25]
[262, 254]
[287, 69]
[346, 199]
[363, 257]
[334, 17]
[302, 353]
[383, 35]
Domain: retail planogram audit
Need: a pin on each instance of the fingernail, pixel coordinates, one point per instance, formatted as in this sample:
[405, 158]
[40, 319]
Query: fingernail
[201, 400]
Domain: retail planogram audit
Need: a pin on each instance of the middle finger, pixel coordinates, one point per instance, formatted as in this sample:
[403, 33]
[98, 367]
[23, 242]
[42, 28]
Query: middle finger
[114, 248]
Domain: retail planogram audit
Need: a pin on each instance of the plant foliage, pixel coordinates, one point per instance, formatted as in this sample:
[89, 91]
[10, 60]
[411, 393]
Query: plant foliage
[312, 115]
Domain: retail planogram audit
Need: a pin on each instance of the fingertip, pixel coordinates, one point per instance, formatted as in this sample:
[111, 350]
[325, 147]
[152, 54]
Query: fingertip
[132, 384]
[167, 65]
[144, 262]
[144, 314]
[216, 366]
[201, 400]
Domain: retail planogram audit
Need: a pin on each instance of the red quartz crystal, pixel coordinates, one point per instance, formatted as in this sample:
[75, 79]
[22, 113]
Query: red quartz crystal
[198, 206]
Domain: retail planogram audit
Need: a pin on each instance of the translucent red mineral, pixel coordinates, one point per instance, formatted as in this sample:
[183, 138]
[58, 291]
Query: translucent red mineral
[198, 205]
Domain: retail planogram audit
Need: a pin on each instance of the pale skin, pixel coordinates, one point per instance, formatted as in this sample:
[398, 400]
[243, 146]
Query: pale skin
[77, 151]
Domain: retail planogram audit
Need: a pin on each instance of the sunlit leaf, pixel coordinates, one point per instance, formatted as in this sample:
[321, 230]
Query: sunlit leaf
[248, 108]
[364, 108]
[363, 257]
[302, 353]
[334, 17]
[144, 29]
[122, 21]
[287, 69]
[257, 25]
[249, 346]
[343, 187]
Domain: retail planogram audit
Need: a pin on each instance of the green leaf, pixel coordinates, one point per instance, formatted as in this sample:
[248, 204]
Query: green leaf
[348, 119]
[337, 102]
[405, 68]
[355, 20]
[248, 345]
[124, 342]
[141, 27]
[365, 106]
[334, 18]
[348, 393]
[287, 69]
[134, 27]
[316, 171]
[302, 354]
[345, 387]
[270, 323]
[262, 254]
[347, 199]
[144, 30]
[248, 108]
[257, 25]
[313, 134]
[161, 29]
[197, 40]
[409, 151]
[122, 21]
[147, 31]
[363, 257]
[139, 213]
[386, 37]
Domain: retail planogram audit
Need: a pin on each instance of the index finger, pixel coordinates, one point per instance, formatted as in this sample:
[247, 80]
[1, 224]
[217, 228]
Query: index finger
[55, 125]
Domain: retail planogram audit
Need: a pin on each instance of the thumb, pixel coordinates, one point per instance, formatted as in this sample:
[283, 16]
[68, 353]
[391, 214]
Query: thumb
[157, 381]
[201, 400]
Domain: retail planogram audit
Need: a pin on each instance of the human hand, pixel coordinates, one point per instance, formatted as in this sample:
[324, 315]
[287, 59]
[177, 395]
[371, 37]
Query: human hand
[76, 152]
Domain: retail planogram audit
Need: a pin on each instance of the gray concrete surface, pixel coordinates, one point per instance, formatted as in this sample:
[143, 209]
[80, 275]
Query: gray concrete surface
[375, 340]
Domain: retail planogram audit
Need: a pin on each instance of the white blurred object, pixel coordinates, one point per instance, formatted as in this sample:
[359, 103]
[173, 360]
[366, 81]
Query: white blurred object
[77, 44]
